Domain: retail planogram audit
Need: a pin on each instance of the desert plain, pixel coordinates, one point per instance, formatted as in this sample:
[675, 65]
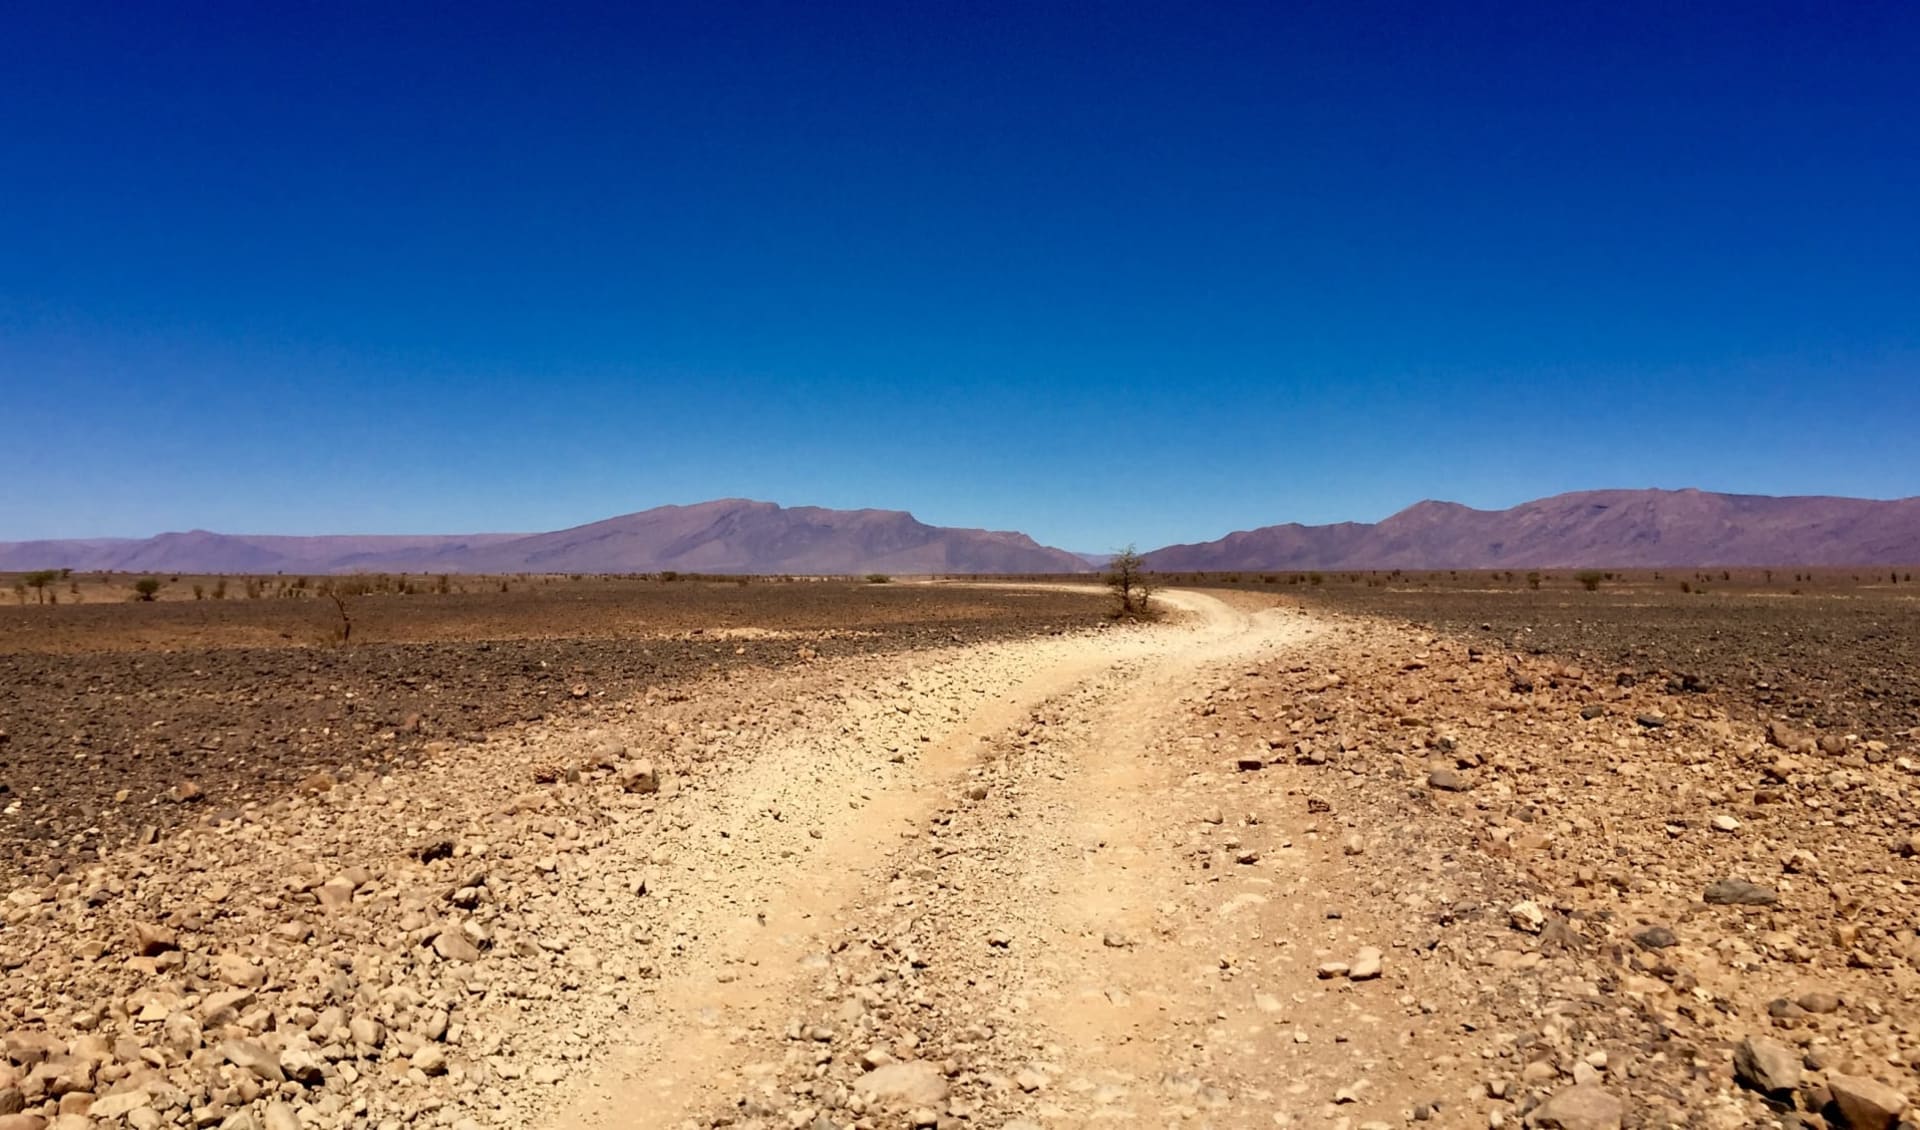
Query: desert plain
[1352, 850]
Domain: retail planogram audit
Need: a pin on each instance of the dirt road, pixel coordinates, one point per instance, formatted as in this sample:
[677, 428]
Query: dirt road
[1012, 897]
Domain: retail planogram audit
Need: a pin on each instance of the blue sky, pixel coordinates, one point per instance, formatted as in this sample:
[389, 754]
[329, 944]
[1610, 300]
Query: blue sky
[1100, 272]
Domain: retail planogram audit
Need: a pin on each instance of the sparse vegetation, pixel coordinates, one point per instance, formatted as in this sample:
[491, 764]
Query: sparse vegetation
[878, 578]
[1590, 579]
[1533, 580]
[39, 581]
[146, 588]
[1127, 577]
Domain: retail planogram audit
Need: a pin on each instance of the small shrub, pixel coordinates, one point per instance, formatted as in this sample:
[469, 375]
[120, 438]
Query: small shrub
[199, 592]
[220, 589]
[878, 579]
[1533, 580]
[669, 575]
[1316, 579]
[146, 588]
[1590, 580]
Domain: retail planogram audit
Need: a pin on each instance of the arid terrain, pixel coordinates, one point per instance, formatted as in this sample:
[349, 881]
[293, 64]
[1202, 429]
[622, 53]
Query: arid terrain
[1361, 852]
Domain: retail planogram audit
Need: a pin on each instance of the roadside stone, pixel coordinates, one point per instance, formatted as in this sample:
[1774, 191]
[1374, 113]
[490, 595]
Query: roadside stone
[1366, 964]
[152, 939]
[639, 777]
[1864, 1104]
[1583, 1106]
[1739, 892]
[1655, 938]
[1448, 781]
[915, 1082]
[1766, 1066]
[453, 945]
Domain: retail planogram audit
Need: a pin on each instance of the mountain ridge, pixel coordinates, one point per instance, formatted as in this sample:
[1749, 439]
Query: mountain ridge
[720, 536]
[1621, 528]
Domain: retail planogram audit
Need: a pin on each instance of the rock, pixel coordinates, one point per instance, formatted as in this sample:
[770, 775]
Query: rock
[1448, 781]
[1650, 721]
[1249, 764]
[280, 1116]
[22, 1122]
[431, 1059]
[1724, 823]
[366, 1031]
[12, 1100]
[1332, 970]
[1766, 1066]
[1655, 938]
[915, 1082]
[1366, 965]
[639, 777]
[119, 1105]
[1739, 892]
[1789, 739]
[153, 939]
[237, 970]
[1527, 916]
[1864, 1104]
[250, 1056]
[455, 946]
[336, 893]
[1583, 1106]
[1354, 844]
[1819, 1002]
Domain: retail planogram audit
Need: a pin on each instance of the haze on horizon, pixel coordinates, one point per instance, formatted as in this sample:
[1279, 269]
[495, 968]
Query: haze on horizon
[1130, 273]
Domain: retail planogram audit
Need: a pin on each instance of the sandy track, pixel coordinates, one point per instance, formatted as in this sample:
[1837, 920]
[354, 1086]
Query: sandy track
[771, 906]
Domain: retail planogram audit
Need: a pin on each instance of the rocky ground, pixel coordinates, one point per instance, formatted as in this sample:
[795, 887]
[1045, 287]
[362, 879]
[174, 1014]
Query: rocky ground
[124, 721]
[1253, 866]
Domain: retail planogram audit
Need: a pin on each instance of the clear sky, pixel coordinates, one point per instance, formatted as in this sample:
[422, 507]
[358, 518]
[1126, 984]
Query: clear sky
[1100, 272]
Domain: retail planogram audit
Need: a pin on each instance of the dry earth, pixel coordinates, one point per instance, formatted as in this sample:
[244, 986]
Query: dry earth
[1252, 866]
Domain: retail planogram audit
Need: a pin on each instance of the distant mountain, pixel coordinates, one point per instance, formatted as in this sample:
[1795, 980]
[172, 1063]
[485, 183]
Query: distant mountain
[1618, 528]
[728, 536]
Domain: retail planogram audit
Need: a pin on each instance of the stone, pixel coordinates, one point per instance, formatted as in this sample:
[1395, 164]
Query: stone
[1724, 823]
[915, 1082]
[1819, 1002]
[1583, 1106]
[1767, 1066]
[1527, 916]
[454, 945]
[1864, 1104]
[1789, 739]
[1366, 964]
[1739, 892]
[120, 1105]
[336, 893]
[1655, 938]
[238, 970]
[1448, 781]
[251, 1056]
[640, 777]
[280, 1116]
[431, 1059]
[22, 1122]
[153, 939]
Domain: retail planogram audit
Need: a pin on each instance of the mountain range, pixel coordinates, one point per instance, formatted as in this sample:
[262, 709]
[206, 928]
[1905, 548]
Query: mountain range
[726, 536]
[1617, 528]
[1645, 529]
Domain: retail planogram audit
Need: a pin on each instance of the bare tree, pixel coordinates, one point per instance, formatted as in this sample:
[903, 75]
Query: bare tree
[1127, 577]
